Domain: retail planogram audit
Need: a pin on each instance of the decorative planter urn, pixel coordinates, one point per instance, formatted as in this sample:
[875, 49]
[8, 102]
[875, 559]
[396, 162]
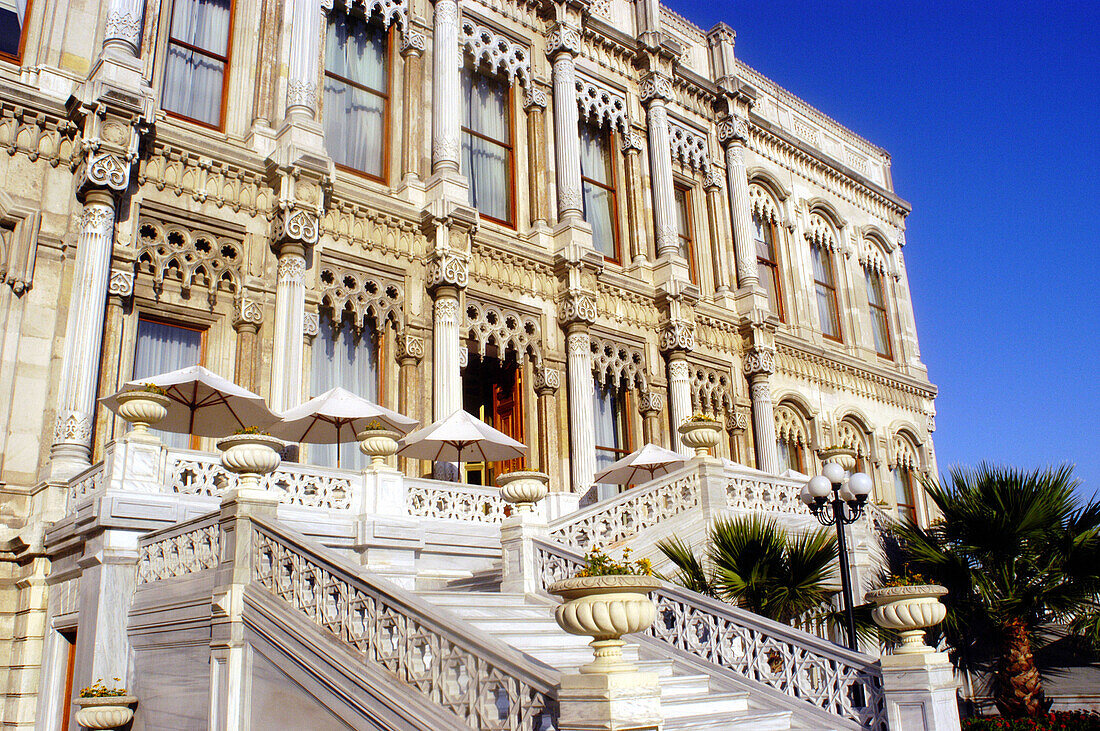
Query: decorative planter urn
[605, 608]
[378, 444]
[251, 456]
[911, 610]
[843, 456]
[106, 712]
[702, 436]
[141, 409]
[523, 489]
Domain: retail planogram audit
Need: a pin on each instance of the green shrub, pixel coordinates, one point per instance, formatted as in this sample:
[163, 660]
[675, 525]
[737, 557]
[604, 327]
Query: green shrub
[1060, 721]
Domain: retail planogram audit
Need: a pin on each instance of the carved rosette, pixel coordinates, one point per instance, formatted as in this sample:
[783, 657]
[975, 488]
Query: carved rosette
[449, 268]
[563, 39]
[577, 306]
[650, 403]
[547, 381]
[678, 335]
[759, 362]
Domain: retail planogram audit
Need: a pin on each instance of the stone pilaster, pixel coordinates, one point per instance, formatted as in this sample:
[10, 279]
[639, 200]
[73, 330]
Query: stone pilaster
[446, 89]
[410, 352]
[737, 423]
[758, 366]
[718, 248]
[547, 381]
[632, 149]
[246, 322]
[650, 405]
[677, 299]
[120, 287]
[413, 44]
[732, 131]
[656, 92]
[534, 103]
[562, 45]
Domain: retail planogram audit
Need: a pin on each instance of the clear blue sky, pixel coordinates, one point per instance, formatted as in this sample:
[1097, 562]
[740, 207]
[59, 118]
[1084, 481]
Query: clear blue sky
[992, 116]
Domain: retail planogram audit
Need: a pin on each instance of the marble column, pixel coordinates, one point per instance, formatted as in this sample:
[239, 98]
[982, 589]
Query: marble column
[732, 132]
[632, 149]
[534, 104]
[650, 405]
[246, 323]
[305, 55]
[410, 351]
[717, 243]
[446, 89]
[562, 45]
[413, 43]
[72, 447]
[122, 29]
[656, 92]
[679, 397]
[120, 286]
[446, 379]
[759, 364]
[546, 382]
[290, 309]
[582, 395]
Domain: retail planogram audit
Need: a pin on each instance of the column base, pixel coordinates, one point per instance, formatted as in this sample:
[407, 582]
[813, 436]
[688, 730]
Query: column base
[69, 459]
[920, 692]
[615, 702]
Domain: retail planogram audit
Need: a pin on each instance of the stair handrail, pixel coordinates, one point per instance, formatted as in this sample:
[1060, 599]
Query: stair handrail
[799, 664]
[400, 632]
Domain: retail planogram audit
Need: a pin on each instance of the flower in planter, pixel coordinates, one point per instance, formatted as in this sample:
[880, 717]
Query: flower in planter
[99, 690]
[598, 563]
[700, 417]
[906, 579]
[253, 430]
[153, 388]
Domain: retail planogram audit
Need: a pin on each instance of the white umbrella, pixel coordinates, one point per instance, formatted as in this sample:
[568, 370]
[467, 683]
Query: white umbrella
[461, 437]
[202, 403]
[336, 416]
[648, 462]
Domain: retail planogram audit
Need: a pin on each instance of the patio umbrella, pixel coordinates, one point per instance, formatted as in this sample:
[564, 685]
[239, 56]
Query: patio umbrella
[202, 403]
[646, 463]
[337, 416]
[461, 437]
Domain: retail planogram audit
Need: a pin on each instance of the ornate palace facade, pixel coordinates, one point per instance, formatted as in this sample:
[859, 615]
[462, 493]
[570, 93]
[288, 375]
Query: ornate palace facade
[581, 220]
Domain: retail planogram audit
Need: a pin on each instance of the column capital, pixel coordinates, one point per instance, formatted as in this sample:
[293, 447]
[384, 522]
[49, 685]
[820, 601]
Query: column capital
[120, 284]
[410, 348]
[713, 182]
[632, 142]
[248, 314]
[733, 129]
[413, 41]
[677, 336]
[656, 87]
[650, 403]
[737, 420]
[546, 380]
[448, 269]
[535, 97]
[577, 306]
[758, 362]
[563, 38]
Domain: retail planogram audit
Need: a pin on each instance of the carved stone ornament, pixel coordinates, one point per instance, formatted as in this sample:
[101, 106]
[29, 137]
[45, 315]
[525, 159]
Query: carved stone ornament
[301, 93]
[679, 370]
[361, 294]
[121, 284]
[689, 147]
[650, 403]
[297, 224]
[108, 170]
[535, 97]
[761, 392]
[615, 362]
[632, 142]
[413, 42]
[291, 269]
[930, 422]
[600, 105]
[714, 179]
[390, 10]
[656, 86]
[463, 356]
[578, 344]
[173, 252]
[678, 335]
[563, 39]
[737, 420]
[448, 268]
[249, 312]
[500, 53]
[410, 347]
[446, 311]
[123, 26]
[569, 199]
[732, 129]
[507, 329]
[759, 361]
[311, 325]
[97, 219]
[577, 306]
[547, 380]
[73, 426]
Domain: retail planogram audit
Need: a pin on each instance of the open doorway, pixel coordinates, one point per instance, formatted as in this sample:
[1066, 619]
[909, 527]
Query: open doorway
[492, 391]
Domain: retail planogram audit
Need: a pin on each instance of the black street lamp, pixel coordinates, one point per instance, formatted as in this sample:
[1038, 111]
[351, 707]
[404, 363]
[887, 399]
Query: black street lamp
[836, 497]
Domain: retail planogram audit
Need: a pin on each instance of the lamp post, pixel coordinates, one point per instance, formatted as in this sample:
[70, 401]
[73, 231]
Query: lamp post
[836, 497]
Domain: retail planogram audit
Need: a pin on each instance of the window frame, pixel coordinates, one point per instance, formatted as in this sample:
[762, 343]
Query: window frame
[827, 263]
[772, 264]
[226, 60]
[510, 103]
[882, 309]
[17, 59]
[908, 481]
[613, 188]
[160, 319]
[689, 217]
[623, 415]
[387, 109]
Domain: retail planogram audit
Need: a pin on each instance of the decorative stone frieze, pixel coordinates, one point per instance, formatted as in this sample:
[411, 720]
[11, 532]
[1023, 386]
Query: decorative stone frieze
[601, 105]
[505, 328]
[498, 52]
[191, 257]
[689, 147]
[616, 363]
[362, 295]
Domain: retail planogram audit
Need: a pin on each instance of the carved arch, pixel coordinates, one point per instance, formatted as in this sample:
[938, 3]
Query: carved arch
[853, 434]
[361, 294]
[791, 424]
[618, 363]
[389, 11]
[822, 231]
[497, 51]
[905, 452]
[506, 329]
[601, 105]
[711, 390]
[689, 147]
[874, 252]
[194, 258]
[764, 204]
[764, 177]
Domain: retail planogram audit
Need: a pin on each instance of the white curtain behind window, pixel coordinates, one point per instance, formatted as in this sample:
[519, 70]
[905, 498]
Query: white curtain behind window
[192, 80]
[599, 209]
[355, 125]
[485, 162]
[162, 348]
[606, 422]
[349, 360]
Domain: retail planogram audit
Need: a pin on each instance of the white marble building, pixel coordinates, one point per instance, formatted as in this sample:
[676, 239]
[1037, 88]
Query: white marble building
[582, 220]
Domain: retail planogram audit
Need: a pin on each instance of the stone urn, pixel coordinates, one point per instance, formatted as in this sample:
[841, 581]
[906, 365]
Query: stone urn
[523, 489]
[843, 456]
[141, 409]
[105, 712]
[605, 608]
[910, 610]
[251, 456]
[378, 444]
[702, 436]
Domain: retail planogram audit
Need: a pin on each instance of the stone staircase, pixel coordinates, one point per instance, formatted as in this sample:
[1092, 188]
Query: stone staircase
[689, 699]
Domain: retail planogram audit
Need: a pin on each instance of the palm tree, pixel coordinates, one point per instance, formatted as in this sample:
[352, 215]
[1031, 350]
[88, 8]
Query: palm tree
[1016, 550]
[757, 564]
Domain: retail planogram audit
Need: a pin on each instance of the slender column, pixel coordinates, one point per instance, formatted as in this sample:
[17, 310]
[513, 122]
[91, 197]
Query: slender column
[563, 44]
[679, 397]
[717, 243]
[535, 104]
[410, 351]
[737, 421]
[546, 381]
[758, 367]
[290, 309]
[413, 43]
[247, 325]
[71, 451]
[122, 31]
[731, 132]
[305, 54]
[120, 285]
[650, 405]
[632, 148]
[446, 379]
[446, 88]
[656, 92]
[582, 395]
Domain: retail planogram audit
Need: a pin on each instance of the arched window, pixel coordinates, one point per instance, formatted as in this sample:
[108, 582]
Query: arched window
[880, 321]
[345, 354]
[685, 222]
[790, 439]
[601, 209]
[904, 472]
[487, 157]
[825, 290]
[13, 28]
[356, 97]
[767, 263]
[198, 60]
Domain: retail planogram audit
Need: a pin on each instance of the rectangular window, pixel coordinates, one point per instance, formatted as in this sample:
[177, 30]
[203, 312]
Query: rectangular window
[686, 225]
[198, 57]
[767, 265]
[13, 27]
[598, 184]
[880, 324]
[487, 145]
[349, 359]
[610, 418]
[162, 348]
[904, 495]
[356, 93]
[825, 289]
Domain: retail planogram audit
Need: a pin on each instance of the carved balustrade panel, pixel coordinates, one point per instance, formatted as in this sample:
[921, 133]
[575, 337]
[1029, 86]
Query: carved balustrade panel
[747, 493]
[183, 549]
[198, 474]
[454, 501]
[87, 483]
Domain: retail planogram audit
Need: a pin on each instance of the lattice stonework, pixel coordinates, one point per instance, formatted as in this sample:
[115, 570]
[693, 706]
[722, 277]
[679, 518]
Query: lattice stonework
[506, 329]
[762, 203]
[389, 11]
[616, 363]
[903, 453]
[193, 258]
[500, 53]
[294, 484]
[452, 501]
[689, 147]
[361, 294]
[710, 390]
[601, 105]
[182, 554]
[820, 232]
[789, 426]
[851, 436]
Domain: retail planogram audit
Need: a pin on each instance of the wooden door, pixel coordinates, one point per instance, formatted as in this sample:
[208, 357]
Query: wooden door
[508, 416]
